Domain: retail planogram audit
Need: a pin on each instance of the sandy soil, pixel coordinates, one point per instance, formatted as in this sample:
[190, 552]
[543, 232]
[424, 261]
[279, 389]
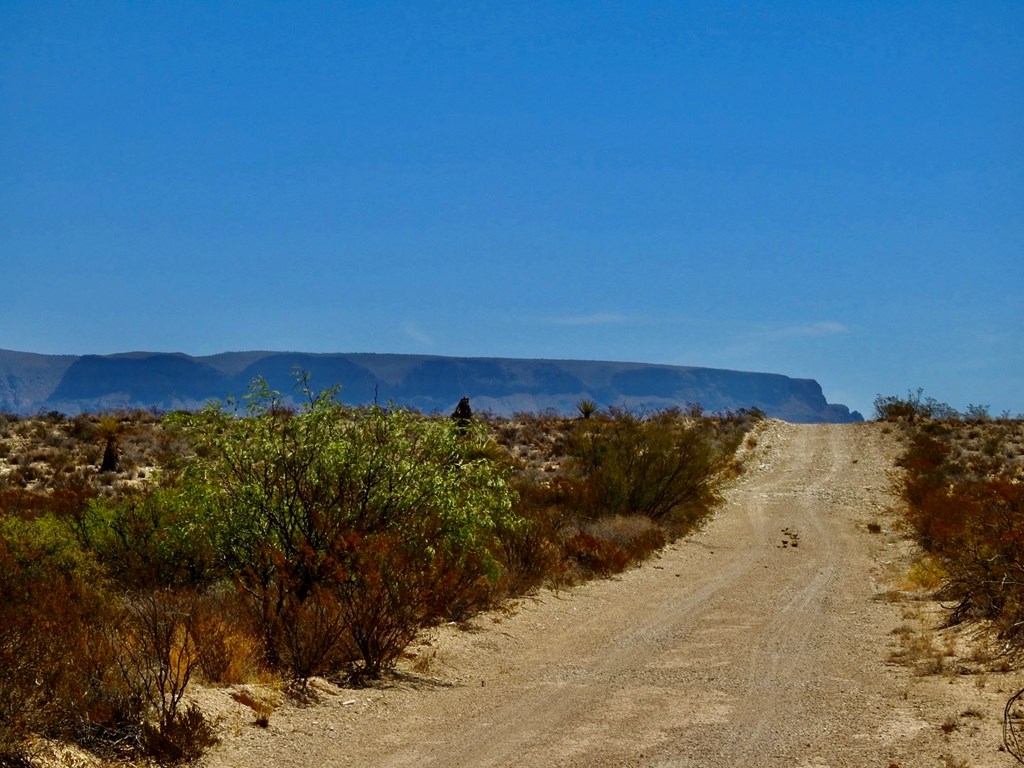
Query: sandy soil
[767, 639]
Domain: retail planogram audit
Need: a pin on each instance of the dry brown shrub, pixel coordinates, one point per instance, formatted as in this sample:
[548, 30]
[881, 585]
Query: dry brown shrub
[531, 554]
[636, 535]
[231, 651]
[57, 671]
[262, 704]
[969, 514]
[594, 555]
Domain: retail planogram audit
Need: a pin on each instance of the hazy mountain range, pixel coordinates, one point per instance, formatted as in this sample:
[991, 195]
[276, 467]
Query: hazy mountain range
[30, 383]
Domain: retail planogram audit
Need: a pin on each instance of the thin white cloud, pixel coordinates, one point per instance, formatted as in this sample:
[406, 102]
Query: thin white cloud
[417, 335]
[600, 318]
[824, 328]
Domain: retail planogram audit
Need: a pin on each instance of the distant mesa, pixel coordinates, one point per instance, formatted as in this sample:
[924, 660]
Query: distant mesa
[30, 383]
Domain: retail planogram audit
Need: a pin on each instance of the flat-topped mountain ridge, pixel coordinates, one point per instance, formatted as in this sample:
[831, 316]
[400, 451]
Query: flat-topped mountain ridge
[73, 384]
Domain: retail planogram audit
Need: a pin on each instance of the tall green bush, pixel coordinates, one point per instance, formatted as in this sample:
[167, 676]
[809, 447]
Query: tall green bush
[345, 510]
[663, 466]
[160, 537]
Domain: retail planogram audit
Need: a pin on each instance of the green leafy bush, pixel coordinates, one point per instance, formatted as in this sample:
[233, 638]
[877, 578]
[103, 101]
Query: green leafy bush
[309, 503]
[159, 537]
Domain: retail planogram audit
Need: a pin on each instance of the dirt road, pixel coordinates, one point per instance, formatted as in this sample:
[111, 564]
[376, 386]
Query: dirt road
[760, 641]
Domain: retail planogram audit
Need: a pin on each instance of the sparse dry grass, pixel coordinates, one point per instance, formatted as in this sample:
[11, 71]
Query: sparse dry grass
[921, 650]
[926, 573]
[42, 453]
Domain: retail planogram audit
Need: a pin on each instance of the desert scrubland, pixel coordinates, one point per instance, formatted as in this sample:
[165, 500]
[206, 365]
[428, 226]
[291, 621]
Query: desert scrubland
[330, 586]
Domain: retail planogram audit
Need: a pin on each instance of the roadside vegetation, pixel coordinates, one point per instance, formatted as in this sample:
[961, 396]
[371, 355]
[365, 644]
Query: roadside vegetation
[963, 489]
[141, 554]
[963, 484]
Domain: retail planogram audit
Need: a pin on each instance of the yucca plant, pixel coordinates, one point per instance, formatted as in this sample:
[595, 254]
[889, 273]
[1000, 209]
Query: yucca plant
[110, 429]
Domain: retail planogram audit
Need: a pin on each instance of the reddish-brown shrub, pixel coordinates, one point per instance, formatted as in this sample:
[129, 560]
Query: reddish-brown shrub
[596, 556]
[57, 672]
[68, 501]
[159, 654]
[973, 521]
[531, 553]
[637, 535]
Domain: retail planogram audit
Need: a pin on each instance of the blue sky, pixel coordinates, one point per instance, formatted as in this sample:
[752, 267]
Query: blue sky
[826, 190]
